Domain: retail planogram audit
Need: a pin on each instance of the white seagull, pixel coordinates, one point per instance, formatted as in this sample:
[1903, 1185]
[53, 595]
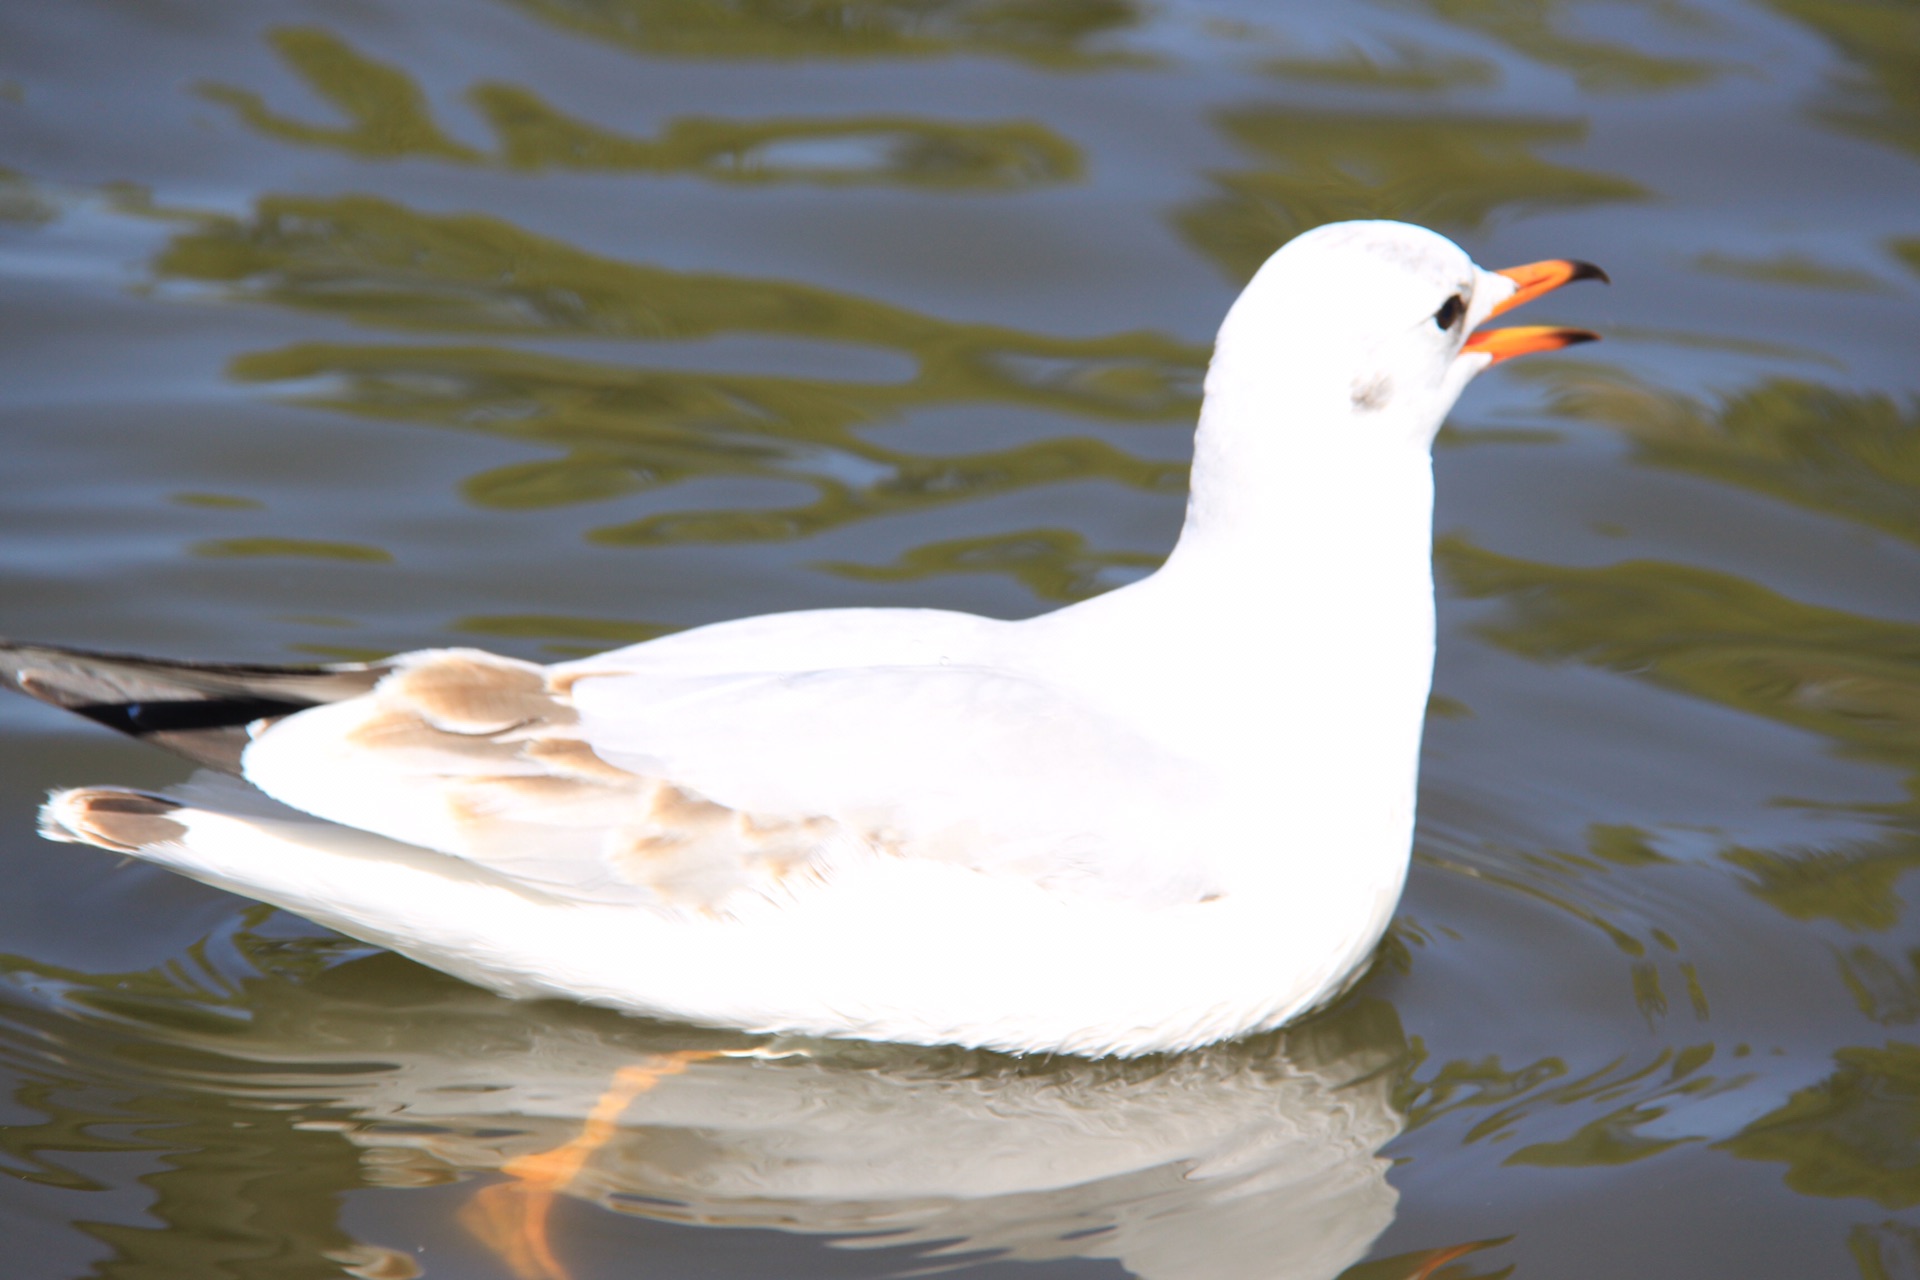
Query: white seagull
[1173, 814]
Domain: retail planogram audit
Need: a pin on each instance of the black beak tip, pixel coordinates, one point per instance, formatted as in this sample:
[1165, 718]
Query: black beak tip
[1577, 336]
[1587, 271]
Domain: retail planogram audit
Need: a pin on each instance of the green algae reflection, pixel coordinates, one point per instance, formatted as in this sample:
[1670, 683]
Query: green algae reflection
[1884, 992]
[21, 202]
[296, 548]
[1885, 1250]
[1540, 30]
[1849, 454]
[1054, 564]
[1451, 171]
[626, 429]
[243, 1187]
[1794, 270]
[1879, 97]
[1606, 1105]
[1411, 69]
[387, 117]
[1854, 680]
[1051, 33]
[382, 265]
[1854, 1134]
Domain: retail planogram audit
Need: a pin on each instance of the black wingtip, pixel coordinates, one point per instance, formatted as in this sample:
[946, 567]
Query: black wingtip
[199, 709]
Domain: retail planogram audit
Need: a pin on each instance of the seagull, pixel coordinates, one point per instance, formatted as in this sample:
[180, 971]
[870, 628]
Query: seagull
[1176, 813]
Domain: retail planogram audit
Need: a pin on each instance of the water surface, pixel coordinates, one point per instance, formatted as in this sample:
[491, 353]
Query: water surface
[334, 329]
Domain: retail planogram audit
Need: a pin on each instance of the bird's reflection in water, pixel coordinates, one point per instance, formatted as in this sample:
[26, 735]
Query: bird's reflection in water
[1254, 1159]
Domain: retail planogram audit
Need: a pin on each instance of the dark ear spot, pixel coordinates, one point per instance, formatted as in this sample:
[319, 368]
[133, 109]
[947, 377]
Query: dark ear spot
[1372, 394]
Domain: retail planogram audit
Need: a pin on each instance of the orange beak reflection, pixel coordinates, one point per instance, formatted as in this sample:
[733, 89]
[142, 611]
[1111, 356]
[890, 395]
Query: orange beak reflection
[1532, 280]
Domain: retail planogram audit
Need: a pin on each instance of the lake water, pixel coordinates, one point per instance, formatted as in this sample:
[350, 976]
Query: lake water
[344, 326]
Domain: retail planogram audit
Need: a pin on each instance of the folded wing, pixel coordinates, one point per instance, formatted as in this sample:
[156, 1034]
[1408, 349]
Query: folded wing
[703, 793]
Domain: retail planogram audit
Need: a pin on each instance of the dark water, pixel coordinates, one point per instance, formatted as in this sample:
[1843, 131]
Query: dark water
[343, 327]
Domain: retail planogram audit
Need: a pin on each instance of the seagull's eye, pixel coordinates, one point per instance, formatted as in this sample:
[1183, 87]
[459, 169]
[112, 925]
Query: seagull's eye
[1450, 311]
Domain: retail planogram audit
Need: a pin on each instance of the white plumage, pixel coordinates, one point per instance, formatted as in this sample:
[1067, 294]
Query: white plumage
[1172, 814]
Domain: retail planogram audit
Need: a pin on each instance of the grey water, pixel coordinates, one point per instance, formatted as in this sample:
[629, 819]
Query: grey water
[335, 327]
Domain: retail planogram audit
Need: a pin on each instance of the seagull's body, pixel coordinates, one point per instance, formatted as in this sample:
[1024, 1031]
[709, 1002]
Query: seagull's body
[1175, 813]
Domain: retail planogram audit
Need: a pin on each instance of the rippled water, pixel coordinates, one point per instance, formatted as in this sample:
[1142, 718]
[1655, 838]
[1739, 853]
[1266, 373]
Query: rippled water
[339, 328]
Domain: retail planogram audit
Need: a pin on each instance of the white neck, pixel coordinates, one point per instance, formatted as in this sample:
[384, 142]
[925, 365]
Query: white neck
[1294, 567]
[1288, 640]
[1318, 505]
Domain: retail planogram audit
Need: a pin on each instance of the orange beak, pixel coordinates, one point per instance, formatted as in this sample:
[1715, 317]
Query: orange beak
[1532, 280]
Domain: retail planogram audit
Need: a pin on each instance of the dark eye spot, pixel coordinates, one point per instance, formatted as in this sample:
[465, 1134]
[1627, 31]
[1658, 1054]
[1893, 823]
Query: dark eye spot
[1450, 311]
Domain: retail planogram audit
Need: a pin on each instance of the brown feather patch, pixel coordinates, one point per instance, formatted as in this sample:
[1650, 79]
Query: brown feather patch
[497, 744]
[120, 821]
[403, 730]
[679, 810]
[573, 758]
[470, 692]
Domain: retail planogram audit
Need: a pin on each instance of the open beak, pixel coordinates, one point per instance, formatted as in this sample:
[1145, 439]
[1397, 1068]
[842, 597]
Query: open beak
[1530, 282]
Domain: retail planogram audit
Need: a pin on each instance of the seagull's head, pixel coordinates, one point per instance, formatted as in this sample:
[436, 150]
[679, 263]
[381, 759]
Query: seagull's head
[1363, 334]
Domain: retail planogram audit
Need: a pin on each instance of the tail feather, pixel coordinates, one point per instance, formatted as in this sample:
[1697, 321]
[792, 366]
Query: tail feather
[199, 709]
[110, 818]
